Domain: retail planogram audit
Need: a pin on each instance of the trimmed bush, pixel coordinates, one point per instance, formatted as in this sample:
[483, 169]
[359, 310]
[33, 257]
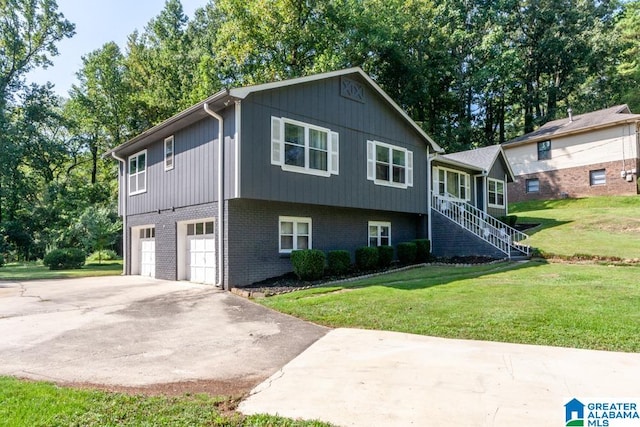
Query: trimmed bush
[64, 259]
[510, 220]
[385, 256]
[407, 252]
[308, 264]
[104, 255]
[366, 258]
[338, 262]
[423, 249]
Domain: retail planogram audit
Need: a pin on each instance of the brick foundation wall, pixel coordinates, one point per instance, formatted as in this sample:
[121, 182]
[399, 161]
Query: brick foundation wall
[253, 253]
[449, 240]
[165, 223]
[574, 182]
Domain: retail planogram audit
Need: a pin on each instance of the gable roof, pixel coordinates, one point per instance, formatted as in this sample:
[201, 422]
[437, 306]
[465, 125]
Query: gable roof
[219, 100]
[581, 123]
[481, 159]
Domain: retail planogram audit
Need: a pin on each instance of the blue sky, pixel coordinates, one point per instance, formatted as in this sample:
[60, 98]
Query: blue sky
[98, 22]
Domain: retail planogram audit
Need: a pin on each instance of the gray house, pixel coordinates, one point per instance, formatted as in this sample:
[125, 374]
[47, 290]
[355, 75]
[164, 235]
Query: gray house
[222, 192]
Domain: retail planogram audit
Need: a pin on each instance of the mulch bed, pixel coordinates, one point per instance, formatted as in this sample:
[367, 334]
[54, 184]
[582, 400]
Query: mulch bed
[289, 282]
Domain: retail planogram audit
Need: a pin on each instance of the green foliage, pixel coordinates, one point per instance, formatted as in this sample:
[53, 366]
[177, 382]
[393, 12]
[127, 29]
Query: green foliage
[407, 252]
[423, 250]
[308, 264]
[97, 229]
[338, 262]
[385, 256]
[63, 259]
[103, 255]
[367, 258]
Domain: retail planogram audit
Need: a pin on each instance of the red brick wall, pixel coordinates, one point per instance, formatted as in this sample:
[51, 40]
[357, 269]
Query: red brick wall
[574, 182]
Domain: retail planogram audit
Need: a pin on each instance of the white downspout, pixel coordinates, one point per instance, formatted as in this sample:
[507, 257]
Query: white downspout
[220, 193]
[429, 196]
[506, 196]
[123, 200]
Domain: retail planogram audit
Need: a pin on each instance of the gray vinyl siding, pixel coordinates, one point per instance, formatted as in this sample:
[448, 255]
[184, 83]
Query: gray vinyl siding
[498, 171]
[194, 178]
[253, 229]
[319, 103]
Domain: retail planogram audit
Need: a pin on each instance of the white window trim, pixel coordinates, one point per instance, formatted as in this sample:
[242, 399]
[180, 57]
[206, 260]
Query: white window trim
[495, 182]
[171, 140]
[372, 160]
[378, 224]
[295, 220]
[436, 182]
[278, 148]
[146, 162]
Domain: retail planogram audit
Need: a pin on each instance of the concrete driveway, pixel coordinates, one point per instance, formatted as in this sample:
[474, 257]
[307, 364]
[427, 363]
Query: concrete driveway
[137, 332]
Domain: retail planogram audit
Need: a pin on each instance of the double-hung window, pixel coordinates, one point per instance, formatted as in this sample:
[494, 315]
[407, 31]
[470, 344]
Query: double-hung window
[544, 150]
[304, 148]
[496, 193]
[452, 183]
[389, 165]
[168, 153]
[379, 233]
[294, 233]
[138, 173]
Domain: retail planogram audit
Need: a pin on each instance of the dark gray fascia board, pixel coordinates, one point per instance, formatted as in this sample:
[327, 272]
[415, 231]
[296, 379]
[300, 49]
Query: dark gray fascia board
[184, 118]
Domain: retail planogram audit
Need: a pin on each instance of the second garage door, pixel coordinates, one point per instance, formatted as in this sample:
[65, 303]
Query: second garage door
[201, 255]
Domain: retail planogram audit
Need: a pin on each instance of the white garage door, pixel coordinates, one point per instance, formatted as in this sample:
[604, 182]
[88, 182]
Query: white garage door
[148, 252]
[201, 255]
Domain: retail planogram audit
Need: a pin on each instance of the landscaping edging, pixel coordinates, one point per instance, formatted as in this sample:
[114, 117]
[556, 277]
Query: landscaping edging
[252, 293]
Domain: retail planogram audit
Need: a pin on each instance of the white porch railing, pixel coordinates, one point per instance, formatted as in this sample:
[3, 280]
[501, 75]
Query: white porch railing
[483, 225]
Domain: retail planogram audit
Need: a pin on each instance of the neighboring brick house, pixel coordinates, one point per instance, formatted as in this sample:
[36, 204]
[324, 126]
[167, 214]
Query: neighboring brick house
[327, 161]
[590, 154]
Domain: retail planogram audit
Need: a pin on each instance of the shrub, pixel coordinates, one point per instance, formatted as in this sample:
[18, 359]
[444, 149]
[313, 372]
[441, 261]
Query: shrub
[366, 258]
[510, 220]
[1, 260]
[385, 256]
[407, 252]
[104, 255]
[423, 250]
[338, 262]
[308, 264]
[63, 259]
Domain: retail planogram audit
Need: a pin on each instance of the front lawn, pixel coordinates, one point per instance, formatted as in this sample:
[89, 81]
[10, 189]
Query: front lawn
[33, 270]
[595, 226]
[569, 305]
[26, 403]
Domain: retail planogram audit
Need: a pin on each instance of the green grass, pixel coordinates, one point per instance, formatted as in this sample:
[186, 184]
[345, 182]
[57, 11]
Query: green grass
[569, 305]
[598, 226]
[25, 403]
[33, 271]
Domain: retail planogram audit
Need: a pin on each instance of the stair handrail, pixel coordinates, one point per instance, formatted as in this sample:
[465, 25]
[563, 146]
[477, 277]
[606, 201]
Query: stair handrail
[488, 228]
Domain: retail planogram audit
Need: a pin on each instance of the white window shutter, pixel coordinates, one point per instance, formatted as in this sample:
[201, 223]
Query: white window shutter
[371, 161]
[409, 168]
[334, 153]
[276, 141]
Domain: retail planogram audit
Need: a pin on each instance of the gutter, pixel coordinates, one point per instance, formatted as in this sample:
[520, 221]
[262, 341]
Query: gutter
[123, 198]
[220, 236]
